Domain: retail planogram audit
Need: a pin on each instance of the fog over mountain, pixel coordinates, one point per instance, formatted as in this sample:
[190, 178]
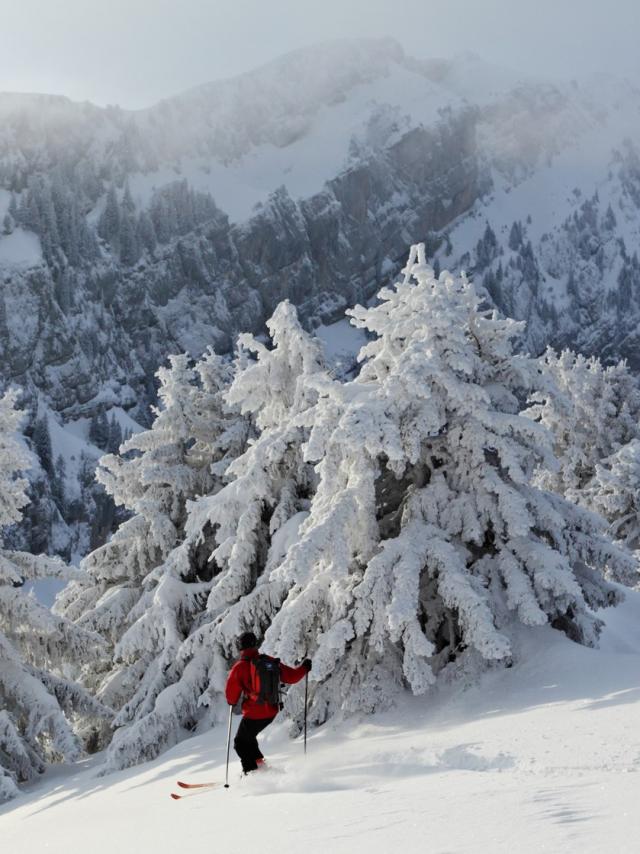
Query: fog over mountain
[134, 53]
[131, 235]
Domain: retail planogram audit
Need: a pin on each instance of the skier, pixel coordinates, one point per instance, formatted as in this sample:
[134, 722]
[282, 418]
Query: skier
[256, 678]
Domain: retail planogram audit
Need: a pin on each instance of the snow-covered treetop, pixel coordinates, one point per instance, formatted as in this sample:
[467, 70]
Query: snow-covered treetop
[159, 452]
[593, 414]
[276, 383]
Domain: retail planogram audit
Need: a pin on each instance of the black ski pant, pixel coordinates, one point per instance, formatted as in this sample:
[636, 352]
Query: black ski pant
[246, 743]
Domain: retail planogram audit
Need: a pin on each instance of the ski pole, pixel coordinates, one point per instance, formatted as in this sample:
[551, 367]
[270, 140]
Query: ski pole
[226, 778]
[306, 699]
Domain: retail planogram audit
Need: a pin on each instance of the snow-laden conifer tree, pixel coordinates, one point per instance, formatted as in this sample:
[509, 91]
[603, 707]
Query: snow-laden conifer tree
[183, 455]
[426, 538]
[234, 537]
[592, 411]
[386, 526]
[615, 492]
[42, 713]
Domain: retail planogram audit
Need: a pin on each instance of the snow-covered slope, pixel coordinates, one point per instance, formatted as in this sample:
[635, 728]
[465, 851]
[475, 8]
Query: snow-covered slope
[540, 757]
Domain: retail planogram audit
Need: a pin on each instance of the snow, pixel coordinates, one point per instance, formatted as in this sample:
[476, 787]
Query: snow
[529, 758]
[546, 198]
[541, 757]
[479, 81]
[20, 249]
[261, 133]
[547, 195]
[291, 121]
[341, 342]
[70, 441]
[286, 536]
[126, 422]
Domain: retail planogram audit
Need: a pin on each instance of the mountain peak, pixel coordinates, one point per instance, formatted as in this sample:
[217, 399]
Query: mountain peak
[307, 70]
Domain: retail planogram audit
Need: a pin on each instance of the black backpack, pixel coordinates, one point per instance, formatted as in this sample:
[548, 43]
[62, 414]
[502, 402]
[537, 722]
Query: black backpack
[267, 670]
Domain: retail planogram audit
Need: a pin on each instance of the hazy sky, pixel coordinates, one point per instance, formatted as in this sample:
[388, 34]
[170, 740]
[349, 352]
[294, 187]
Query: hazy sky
[134, 52]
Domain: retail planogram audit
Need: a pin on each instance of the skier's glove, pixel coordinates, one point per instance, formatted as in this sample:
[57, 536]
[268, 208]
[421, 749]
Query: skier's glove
[307, 664]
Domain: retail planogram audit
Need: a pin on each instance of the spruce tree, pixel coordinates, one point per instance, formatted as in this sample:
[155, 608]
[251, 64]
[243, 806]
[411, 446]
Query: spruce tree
[58, 484]
[109, 222]
[427, 539]
[43, 714]
[389, 526]
[145, 232]
[99, 430]
[515, 237]
[13, 208]
[128, 239]
[234, 536]
[615, 492]
[593, 414]
[115, 437]
[183, 455]
[42, 444]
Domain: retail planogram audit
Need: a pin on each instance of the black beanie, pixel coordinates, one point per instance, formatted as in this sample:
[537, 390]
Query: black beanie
[247, 641]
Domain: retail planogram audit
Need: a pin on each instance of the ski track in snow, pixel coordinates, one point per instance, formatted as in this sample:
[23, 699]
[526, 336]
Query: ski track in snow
[543, 757]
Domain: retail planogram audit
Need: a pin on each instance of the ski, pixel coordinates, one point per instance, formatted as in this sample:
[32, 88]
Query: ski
[199, 791]
[196, 785]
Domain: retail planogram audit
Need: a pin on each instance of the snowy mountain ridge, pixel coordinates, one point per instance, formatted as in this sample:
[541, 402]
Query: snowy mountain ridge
[272, 105]
[242, 125]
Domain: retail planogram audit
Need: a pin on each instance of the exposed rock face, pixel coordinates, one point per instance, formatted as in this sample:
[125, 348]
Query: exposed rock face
[323, 253]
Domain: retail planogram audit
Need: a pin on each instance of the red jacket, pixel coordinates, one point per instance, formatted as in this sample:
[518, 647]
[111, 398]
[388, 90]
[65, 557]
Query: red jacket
[243, 679]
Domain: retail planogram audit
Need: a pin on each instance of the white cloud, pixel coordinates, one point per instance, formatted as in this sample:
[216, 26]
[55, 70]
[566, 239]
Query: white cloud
[134, 52]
